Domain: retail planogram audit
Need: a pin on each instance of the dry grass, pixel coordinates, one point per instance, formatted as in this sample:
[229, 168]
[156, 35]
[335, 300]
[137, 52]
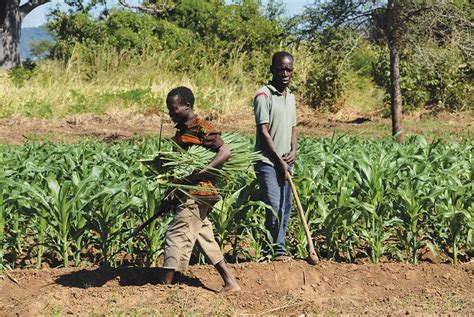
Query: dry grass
[108, 82]
[116, 82]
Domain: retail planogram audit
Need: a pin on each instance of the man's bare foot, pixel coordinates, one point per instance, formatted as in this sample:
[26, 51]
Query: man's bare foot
[230, 289]
[283, 258]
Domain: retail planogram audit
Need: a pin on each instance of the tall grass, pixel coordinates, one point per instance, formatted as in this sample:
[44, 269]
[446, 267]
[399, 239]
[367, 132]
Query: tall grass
[106, 81]
[362, 94]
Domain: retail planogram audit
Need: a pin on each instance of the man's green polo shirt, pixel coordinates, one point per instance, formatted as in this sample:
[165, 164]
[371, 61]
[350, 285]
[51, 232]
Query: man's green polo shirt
[279, 111]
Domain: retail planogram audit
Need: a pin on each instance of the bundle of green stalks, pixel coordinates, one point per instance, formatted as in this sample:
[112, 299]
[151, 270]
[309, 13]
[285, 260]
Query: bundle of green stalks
[173, 167]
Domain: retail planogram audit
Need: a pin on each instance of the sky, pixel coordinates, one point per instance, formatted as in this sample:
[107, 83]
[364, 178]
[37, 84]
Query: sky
[38, 16]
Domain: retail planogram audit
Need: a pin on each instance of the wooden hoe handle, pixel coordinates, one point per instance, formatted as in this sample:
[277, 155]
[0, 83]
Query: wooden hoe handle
[313, 257]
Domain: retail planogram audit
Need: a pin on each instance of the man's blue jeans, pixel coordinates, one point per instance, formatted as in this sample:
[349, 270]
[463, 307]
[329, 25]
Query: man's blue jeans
[276, 192]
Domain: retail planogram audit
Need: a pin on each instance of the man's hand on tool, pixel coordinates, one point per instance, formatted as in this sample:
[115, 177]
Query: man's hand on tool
[290, 157]
[283, 168]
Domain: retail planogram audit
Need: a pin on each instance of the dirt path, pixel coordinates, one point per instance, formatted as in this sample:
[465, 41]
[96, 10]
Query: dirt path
[267, 288]
[126, 125]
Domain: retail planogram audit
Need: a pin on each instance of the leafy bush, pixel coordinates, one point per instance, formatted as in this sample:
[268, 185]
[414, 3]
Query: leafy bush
[41, 49]
[209, 30]
[19, 75]
[331, 60]
[441, 79]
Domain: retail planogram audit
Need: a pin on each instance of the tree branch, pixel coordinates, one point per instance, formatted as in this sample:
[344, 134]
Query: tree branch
[155, 10]
[357, 19]
[31, 5]
[348, 54]
[410, 16]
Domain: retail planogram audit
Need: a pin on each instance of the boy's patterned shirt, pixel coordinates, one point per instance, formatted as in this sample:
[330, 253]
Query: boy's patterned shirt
[197, 131]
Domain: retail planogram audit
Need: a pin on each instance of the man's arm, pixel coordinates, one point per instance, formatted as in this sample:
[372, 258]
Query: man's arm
[291, 156]
[263, 134]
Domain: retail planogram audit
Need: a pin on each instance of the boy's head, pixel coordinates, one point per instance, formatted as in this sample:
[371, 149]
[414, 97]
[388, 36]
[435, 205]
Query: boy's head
[180, 102]
[282, 68]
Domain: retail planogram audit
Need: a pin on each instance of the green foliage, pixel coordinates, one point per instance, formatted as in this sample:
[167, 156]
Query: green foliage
[363, 58]
[331, 61]
[126, 59]
[338, 47]
[19, 75]
[212, 29]
[41, 49]
[432, 38]
[441, 79]
[275, 10]
[371, 198]
[77, 27]
[238, 25]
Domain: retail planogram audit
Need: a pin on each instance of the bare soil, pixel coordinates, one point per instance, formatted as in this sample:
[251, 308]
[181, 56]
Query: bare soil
[118, 126]
[267, 288]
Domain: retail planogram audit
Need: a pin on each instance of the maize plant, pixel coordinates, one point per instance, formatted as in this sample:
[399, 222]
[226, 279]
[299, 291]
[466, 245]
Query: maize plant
[60, 205]
[3, 211]
[153, 235]
[456, 218]
[362, 197]
[107, 219]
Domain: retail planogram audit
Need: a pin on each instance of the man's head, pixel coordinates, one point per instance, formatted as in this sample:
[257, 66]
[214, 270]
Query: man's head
[281, 69]
[180, 103]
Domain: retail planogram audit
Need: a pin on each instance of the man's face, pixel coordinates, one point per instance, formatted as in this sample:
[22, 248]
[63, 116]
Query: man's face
[282, 71]
[177, 112]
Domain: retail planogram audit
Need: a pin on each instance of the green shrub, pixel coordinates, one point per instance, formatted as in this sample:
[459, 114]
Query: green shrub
[198, 32]
[439, 78]
[331, 60]
[19, 75]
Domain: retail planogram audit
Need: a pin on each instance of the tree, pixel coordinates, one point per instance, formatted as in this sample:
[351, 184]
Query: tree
[157, 8]
[11, 18]
[394, 21]
[216, 29]
[391, 29]
[41, 49]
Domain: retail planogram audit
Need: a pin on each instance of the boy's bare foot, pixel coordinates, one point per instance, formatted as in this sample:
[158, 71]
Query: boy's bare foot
[230, 289]
[230, 284]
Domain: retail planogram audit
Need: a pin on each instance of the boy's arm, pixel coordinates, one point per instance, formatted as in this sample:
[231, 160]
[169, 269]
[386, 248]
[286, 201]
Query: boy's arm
[222, 155]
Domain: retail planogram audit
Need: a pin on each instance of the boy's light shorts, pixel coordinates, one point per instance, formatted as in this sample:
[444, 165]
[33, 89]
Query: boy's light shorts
[190, 224]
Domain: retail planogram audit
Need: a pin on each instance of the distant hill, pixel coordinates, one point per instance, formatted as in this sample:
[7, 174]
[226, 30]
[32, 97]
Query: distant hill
[29, 35]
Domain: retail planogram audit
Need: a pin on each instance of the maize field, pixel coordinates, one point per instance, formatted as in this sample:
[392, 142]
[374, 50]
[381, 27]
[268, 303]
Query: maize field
[374, 199]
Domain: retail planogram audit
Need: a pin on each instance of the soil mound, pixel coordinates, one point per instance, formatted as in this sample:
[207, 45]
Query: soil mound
[267, 288]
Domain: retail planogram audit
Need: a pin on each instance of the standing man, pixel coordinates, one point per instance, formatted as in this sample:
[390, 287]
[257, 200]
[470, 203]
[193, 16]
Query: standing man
[275, 116]
[190, 222]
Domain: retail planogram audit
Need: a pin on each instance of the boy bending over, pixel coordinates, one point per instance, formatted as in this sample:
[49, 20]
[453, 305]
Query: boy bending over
[190, 223]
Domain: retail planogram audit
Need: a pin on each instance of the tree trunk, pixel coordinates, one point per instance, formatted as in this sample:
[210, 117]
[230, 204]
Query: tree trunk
[395, 90]
[10, 30]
